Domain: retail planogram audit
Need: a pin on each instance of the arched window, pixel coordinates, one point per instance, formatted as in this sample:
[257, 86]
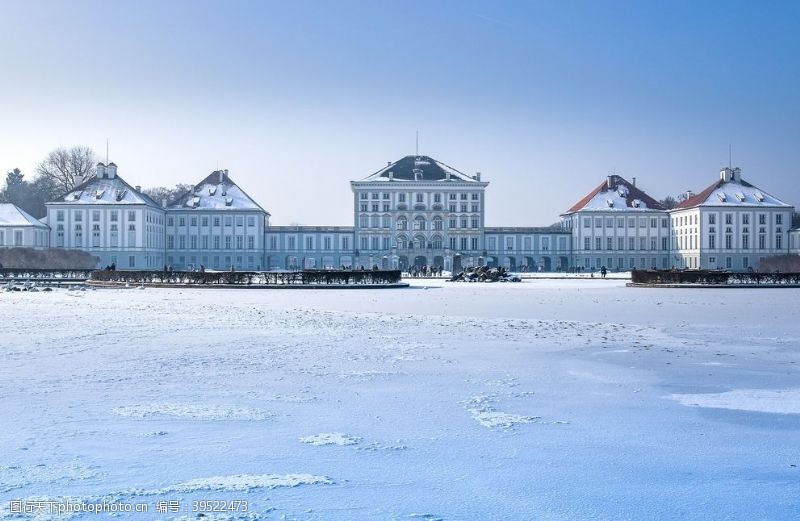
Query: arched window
[419, 222]
[437, 223]
[419, 242]
[402, 223]
[437, 242]
[402, 242]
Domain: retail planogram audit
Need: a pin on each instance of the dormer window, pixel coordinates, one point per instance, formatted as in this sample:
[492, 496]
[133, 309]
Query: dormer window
[610, 203]
[740, 196]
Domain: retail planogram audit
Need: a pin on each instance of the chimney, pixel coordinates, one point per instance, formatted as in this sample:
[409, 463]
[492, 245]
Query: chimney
[391, 176]
[163, 202]
[725, 174]
[633, 181]
[477, 176]
[79, 180]
[100, 170]
[221, 176]
[689, 194]
[737, 174]
[138, 188]
[388, 163]
[609, 183]
[111, 170]
[447, 175]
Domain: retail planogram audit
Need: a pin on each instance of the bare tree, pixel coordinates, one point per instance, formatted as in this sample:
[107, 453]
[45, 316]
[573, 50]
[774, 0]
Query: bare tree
[170, 194]
[67, 166]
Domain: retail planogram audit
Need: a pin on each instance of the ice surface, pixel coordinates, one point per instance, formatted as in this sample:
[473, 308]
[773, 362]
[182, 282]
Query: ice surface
[547, 399]
[780, 401]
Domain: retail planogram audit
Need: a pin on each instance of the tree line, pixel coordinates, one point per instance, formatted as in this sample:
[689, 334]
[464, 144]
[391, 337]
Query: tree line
[58, 174]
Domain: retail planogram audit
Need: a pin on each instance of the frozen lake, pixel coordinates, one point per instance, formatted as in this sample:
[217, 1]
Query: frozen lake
[547, 399]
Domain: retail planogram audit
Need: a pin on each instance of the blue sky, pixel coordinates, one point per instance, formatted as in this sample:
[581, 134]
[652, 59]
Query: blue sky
[297, 98]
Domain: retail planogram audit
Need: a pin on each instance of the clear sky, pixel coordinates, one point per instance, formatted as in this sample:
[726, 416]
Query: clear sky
[297, 98]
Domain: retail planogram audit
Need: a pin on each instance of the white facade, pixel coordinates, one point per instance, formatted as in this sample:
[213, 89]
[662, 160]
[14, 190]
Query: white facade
[730, 225]
[415, 211]
[215, 225]
[18, 229]
[111, 220]
[619, 227]
[309, 247]
[419, 211]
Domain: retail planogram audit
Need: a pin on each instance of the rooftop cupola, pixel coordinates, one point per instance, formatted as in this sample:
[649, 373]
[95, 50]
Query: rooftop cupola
[100, 170]
[731, 174]
[111, 170]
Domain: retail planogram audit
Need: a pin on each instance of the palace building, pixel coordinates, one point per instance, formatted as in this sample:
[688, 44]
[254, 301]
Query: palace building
[414, 211]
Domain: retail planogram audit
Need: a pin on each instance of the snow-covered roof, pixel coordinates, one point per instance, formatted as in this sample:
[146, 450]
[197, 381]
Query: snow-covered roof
[105, 190]
[216, 192]
[12, 215]
[419, 168]
[616, 194]
[732, 193]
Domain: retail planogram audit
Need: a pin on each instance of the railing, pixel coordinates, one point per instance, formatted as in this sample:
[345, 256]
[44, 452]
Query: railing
[249, 278]
[65, 275]
[713, 277]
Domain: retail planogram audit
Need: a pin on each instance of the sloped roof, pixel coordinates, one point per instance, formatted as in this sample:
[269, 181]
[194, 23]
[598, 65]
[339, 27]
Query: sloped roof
[216, 192]
[419, 168]
[621, 195]
[732, 193]
[12, 215]
[104, 190]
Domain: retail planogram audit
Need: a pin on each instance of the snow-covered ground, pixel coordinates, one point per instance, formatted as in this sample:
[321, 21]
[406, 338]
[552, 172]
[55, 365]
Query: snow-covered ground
[545, 399]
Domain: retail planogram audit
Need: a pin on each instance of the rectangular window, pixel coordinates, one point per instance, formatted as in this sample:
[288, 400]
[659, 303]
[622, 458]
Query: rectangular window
[193, 220]
[228, 242]
[204, 221]
[251, 242]
[216, 242]
[131, 215]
